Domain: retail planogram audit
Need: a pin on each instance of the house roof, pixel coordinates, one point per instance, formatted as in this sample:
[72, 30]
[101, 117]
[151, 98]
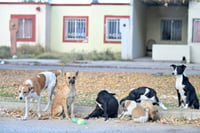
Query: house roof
[166, 2]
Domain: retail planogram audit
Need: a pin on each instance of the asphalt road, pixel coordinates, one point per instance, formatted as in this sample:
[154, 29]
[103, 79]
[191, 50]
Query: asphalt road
[12, 125]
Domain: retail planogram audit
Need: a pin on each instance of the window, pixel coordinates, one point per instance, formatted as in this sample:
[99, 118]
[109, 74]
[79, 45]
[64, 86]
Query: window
[112, 29]
[26, 27]
[171, 30]
[196, 30]
[75, 29]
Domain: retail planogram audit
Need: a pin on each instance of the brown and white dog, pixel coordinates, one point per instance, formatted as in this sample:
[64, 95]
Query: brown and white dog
[135, 111]
[65, 96]
[153, 111]
[31, 88]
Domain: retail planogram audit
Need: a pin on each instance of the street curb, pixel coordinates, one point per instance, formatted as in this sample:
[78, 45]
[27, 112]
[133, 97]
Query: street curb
[179, 113]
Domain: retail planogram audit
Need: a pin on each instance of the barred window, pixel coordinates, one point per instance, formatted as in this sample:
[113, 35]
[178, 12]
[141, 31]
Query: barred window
[26, 27]
[112, 29]
[171, 30]
[75, 29]
[196, 30]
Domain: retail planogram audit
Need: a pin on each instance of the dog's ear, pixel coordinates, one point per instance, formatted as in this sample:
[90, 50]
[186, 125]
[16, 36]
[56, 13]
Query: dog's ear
[183, 67]
[29, 89]
[113, 94]
[172, 65]
[127, 103]
[58, 72]
[77, 73]
[16, 84]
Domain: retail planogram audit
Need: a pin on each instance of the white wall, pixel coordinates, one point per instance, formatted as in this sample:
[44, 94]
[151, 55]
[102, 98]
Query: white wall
[171, 52]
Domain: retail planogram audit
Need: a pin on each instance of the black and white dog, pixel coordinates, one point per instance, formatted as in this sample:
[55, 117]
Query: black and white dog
[186, 92]
[107, 106]
[144, 93]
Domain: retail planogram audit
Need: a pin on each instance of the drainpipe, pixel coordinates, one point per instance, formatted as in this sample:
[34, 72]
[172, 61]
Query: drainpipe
[131, 27]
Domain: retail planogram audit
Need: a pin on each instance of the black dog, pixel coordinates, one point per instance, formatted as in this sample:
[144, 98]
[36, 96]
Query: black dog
[186, 92]
[143, 93]
[107, 106]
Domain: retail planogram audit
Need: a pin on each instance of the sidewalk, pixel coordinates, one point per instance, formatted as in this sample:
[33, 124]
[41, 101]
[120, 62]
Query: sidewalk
[138, 64]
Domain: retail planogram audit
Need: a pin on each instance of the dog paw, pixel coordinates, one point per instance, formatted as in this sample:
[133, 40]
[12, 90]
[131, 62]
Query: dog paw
[165, 108]
[67, 118]
[24, 118]
[45, 110]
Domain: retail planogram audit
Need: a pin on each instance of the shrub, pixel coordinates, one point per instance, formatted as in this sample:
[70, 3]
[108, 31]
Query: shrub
[28, 51]
[5, 52]
[107, 55]
[49, 56]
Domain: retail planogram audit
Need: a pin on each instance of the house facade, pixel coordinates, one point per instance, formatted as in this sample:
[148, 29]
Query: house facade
[64, 27]
[87, 27]
[165, 30]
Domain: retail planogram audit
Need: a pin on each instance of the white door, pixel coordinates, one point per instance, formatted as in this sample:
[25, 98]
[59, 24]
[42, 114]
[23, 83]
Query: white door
[126, 52]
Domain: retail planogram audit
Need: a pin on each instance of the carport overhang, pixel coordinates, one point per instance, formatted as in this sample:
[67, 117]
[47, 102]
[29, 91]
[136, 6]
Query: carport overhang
[166, 2]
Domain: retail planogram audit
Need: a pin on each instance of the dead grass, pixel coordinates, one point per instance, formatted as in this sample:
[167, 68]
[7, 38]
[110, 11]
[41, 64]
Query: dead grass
[90, 83]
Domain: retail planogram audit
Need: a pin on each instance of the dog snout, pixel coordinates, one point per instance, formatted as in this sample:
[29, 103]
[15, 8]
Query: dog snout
[21, 98]
[72, 82]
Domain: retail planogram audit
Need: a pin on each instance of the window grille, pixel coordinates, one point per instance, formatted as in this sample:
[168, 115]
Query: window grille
[75, 29]
[113, 29]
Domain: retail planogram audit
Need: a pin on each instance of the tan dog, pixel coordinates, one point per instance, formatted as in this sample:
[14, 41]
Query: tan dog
[152, 110]
[32, 87]
[140, 114]
[64, 99]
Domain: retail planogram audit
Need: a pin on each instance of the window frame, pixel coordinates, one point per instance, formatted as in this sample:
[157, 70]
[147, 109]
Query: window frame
[193, 30]
[85, 40]
[171, 37]
[105, 27]
[33, 17]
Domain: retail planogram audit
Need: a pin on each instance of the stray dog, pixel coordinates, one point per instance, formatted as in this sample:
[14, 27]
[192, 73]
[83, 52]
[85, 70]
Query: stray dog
[127, 106]
[135, 111]
[140, 114]
[32, 88]
[186, 92]
[65, 96]
[107, 106]
[144, 93]
[152, 110]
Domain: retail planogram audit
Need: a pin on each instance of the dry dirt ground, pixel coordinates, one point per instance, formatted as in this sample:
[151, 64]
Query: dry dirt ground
[90, 83]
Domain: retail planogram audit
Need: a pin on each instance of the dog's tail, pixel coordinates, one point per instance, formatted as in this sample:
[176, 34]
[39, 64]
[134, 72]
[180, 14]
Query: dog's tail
[58, 72]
